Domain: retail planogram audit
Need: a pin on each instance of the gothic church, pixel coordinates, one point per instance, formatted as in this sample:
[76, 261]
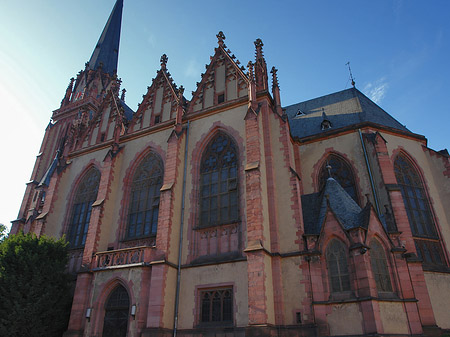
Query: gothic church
[231, 215]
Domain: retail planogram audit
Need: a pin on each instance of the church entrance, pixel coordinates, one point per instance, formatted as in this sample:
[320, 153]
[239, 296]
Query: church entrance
[116, 313]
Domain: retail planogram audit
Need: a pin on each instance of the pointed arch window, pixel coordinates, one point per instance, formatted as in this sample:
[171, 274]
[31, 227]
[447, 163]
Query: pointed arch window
[143, 210]
[419, 212]
[337, 267]
[379, 267]
[115, 323]
[218, 182]
[340, 171]
[85, 196]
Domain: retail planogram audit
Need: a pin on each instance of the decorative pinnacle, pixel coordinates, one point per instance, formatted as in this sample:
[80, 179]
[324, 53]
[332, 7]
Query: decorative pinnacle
[180, 93]
[122, 97]
[274, 77]
[220, 37]
[251, 74]
[163, 61]
[259, 44]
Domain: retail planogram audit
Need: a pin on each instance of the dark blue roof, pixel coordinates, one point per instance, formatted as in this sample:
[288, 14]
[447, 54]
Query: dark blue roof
[127, 110]
[107, 49]
[341, 109]
[346, 210]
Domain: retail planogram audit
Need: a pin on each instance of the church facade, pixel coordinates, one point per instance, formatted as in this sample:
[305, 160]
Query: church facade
[231, 215]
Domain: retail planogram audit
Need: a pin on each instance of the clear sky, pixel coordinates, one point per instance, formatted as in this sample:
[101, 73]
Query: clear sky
[399, 52]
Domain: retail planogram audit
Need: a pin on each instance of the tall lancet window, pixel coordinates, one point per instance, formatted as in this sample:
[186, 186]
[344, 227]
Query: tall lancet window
[143, 210]
[337, 267]
[380, 267]
[419, 213]
[218, 182]
[340, 171]
[85, 196]
[117, 310]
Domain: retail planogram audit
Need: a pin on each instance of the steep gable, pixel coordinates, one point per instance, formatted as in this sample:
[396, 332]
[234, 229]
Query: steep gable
[161, 101]
[223, 81]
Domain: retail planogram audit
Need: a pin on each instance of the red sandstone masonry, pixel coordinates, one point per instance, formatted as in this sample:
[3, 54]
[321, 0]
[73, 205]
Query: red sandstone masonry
[80, 302]
[167, 198]
[257, 301]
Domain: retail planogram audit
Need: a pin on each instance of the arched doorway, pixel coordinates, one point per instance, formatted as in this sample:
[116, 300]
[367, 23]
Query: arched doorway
[117, 310]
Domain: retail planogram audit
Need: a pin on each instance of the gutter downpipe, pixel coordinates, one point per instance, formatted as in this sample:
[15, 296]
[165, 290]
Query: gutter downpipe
[180, 245]
[375, 197]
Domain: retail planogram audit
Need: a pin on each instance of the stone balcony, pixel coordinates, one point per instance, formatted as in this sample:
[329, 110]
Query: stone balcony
[122, 258]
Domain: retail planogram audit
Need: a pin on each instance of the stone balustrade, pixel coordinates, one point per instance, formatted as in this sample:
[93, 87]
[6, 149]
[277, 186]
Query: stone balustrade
[122, 257]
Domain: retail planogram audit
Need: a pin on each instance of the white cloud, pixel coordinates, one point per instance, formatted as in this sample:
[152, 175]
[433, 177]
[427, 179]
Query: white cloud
[377, 90]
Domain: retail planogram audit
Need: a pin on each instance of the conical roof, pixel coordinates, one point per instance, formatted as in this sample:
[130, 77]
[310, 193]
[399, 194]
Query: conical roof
[106, 52]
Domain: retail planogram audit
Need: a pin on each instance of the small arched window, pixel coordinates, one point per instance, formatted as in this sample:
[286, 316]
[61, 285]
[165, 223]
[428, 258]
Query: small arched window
[340, 171]
[143, 210]
[337, 267]
[85, 196]
[218, 182]
[418, 210]
[379, 267]
[117, 307]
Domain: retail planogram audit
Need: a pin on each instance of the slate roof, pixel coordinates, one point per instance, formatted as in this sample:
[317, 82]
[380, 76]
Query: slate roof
[346, 210]
[127, 110]
[107, 48]
[341, 109]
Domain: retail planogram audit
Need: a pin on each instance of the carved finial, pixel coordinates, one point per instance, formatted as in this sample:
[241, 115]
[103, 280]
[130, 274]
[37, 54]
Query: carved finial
[122, 97]
[259, 52]
[328, 167]
[274, 77]
[220, 37]
[251, 74]
[180, 93]
[163, 61]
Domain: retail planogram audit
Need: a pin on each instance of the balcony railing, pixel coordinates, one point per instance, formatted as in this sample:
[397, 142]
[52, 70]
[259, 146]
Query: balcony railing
[122, 257]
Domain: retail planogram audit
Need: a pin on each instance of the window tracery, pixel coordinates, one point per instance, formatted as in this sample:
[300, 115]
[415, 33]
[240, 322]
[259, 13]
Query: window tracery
[340, 171]
[85, 196]
[419, 212]
[216, 306]
[379, 267]
[337, 267]
[218, 182]
[143, 209]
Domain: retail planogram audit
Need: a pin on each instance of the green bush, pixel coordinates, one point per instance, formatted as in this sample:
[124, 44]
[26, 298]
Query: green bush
[35, 295]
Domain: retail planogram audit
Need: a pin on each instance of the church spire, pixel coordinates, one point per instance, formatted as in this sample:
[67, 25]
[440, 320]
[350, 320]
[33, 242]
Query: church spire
[106, 52]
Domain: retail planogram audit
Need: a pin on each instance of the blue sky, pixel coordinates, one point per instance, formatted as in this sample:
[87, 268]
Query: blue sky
[399, 52]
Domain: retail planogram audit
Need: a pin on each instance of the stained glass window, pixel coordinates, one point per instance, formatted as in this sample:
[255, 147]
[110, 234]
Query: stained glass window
[115, 323]
[85, 196]
[337, 267]
[218, 182]
[143, 210]
[379, 267]
[418, 210]
[341, 172]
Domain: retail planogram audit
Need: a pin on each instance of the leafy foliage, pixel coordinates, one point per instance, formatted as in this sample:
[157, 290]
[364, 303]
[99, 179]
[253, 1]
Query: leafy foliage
[34, 288]
[3, 232]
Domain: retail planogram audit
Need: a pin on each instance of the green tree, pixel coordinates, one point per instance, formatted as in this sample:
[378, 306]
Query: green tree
[3, 232]
[35, 294]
